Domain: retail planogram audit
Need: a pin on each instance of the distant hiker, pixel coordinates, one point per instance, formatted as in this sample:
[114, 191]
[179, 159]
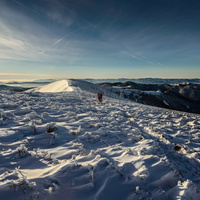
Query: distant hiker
[100, 95]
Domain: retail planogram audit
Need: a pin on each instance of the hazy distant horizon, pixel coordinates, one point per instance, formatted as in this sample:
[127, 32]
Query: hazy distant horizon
[101, 78]
[39, 82]
[90, 78]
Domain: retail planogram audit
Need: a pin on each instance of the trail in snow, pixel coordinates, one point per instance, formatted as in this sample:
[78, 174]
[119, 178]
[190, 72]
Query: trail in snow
[68, 145]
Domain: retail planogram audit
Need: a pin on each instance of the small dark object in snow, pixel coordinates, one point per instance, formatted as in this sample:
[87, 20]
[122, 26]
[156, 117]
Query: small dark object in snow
[51, 128]
[177, 148]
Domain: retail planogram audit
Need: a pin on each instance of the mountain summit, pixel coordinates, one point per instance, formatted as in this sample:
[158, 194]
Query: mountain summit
[68, 85]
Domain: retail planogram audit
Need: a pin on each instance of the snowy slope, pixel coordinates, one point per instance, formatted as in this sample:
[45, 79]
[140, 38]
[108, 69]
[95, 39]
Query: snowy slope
[58, 86]
[67, 86]
[69, 146]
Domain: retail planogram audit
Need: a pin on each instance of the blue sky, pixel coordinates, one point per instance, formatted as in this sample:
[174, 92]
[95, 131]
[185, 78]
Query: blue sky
[99, 39]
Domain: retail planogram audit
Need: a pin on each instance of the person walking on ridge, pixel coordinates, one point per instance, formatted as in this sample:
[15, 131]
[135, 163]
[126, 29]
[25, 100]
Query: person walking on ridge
[100, 95]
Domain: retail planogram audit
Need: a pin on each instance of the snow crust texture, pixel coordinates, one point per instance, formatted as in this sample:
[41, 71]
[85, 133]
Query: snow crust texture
[67, 145]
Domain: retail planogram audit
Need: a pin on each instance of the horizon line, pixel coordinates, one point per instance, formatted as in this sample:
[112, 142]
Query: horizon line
[32, 80]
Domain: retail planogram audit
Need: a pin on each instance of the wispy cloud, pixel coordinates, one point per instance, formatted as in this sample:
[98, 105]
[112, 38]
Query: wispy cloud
[63, 38]
[138, 58]
[23, 38]
[11, 43]
[80, 19]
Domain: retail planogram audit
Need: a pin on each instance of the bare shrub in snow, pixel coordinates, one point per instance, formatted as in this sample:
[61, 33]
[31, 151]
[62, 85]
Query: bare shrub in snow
[22, 151]
[23, 184]
[19, 181]
[82, 151]
[51, 127]
[45, 155]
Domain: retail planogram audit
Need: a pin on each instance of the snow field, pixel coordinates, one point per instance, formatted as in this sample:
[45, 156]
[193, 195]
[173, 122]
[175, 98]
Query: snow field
[70, 146]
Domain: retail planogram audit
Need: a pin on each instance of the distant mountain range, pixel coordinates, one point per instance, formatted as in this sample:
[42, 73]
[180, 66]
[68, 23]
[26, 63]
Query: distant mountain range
[183, 97]
[13, 88]
[147, 80]
[139, 80]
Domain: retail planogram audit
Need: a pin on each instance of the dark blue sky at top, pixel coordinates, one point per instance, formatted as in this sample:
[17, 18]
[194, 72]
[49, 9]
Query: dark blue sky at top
[90, 36]
[174, 17]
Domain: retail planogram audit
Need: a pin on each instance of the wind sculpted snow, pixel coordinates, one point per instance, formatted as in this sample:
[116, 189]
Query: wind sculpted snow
[67, 145]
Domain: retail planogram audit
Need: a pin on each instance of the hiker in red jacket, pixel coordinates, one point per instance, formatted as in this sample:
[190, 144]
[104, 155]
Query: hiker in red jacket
[100, 95]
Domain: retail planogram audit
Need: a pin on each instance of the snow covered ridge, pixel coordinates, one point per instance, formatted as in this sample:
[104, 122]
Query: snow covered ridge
[75, 86]
[67, 86]
[58, 86]
[67, 145]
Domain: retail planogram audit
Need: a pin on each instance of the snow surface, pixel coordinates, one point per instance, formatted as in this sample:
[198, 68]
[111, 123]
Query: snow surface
[59, 142]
